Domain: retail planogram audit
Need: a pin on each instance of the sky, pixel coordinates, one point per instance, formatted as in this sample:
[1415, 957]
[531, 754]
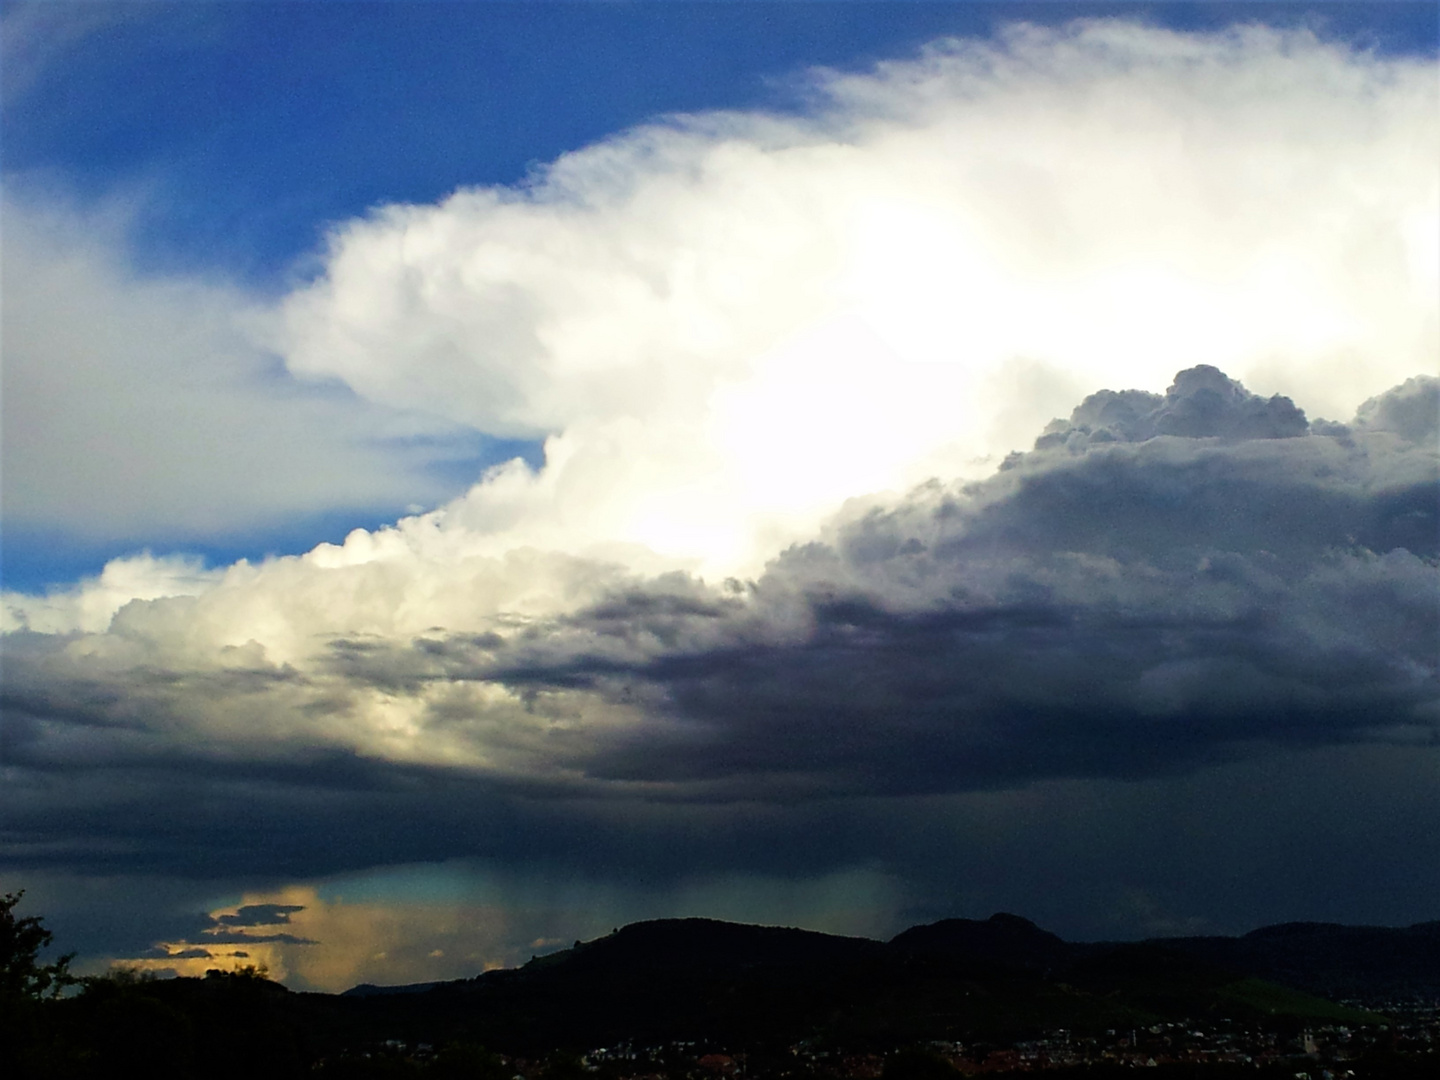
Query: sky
[479, 474]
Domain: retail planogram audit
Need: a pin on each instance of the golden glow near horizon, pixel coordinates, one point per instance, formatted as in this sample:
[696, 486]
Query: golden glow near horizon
[331, 945]
[323, 941]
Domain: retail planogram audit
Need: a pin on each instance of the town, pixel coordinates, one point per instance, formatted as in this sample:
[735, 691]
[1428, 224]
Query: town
[1408, 1045]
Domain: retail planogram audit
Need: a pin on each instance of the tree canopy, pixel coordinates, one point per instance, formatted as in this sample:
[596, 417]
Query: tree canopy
[22, 975]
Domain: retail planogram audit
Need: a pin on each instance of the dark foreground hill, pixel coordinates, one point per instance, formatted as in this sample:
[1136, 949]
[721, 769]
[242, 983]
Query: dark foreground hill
[1371, 963]
[697, 979]
[761, 989]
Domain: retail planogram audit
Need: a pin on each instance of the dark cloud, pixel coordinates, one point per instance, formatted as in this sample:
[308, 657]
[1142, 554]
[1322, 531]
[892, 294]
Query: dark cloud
[1186, 643]
[256, 915]
[1163, 583]
[259, 939]
[1203, 403]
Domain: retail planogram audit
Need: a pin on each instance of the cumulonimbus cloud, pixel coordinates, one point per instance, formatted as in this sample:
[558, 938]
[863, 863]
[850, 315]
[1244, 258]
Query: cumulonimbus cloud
[795, 353]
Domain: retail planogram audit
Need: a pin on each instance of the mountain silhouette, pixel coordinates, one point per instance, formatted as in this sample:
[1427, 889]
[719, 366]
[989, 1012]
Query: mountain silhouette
[1001, 941]
[727, 983]
[760, 990]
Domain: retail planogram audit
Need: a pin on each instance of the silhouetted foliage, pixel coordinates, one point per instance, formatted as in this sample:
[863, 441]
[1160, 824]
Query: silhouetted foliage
[121, 1028]
[21, 942]
[26, 986]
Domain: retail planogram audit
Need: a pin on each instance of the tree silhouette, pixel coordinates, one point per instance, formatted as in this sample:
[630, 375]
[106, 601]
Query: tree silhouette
[22, 976]
[26, 987]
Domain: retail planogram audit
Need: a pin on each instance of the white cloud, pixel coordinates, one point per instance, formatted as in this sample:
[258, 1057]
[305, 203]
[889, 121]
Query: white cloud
[728, 324]
[89, 606]
[142, 408]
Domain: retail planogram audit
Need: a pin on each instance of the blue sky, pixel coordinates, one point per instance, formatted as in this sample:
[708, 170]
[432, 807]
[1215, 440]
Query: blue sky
[478, 474]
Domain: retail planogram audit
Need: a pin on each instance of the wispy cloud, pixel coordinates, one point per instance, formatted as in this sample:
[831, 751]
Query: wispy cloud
[36, 36]
[142, 407]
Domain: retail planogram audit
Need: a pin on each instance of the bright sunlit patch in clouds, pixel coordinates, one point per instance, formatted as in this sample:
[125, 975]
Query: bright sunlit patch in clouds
[733, 323]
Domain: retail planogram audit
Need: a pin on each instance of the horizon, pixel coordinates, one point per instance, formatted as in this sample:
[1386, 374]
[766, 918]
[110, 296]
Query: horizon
[555, 950]
[480, 474]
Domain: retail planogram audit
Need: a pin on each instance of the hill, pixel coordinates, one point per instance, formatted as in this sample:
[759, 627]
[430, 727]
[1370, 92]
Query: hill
[697, 979]
[1371, 963]
[771, 993]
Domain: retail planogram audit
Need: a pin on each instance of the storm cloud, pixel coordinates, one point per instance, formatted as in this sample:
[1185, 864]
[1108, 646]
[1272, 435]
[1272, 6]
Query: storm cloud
[806, 613]
[1161, 583]
[1115, 604]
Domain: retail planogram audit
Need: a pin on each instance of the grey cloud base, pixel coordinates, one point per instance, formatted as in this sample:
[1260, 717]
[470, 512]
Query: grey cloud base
[1186, 643]
[1124, 601]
